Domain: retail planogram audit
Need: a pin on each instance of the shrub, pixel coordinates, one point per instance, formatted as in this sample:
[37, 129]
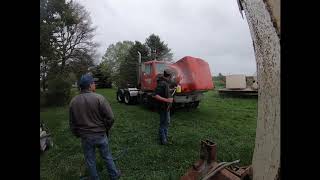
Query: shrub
[59, 91]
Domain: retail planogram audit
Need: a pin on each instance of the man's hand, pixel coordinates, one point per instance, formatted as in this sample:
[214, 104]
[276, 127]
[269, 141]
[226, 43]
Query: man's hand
[169, 100]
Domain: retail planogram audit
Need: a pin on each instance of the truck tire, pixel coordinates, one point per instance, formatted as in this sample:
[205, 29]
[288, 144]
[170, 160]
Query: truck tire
[196, 104]
[120, 98]
[127, 98]
[144, 99]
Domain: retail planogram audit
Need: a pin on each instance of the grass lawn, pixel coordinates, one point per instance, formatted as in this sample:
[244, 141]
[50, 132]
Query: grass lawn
[230, 122]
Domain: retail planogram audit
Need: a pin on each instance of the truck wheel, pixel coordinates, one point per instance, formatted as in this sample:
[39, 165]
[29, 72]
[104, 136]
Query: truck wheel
[119, 96]
[196, 104]
[144, 99]
[127, 98]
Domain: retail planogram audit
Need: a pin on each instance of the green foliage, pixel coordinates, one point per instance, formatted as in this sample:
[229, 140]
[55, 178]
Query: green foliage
[104, 79]
[158, 49]
[59, 91]
[219, 81]
[66, 43]
[114, 56]
[73, 77]
[129, 68]
[81, 66]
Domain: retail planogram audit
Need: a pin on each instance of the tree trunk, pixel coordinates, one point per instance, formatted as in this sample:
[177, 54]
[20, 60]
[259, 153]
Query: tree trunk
[263, 19]
[62, 65]
[44, 84]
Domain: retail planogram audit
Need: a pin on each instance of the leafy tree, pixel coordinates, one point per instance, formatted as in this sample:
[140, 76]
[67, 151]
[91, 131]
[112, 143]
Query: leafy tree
[129, 67]
[157, 49]
[74, 34]
[65, 36]
[58, 91]
[66, 48]
[104, 80]
[48, 8]
[112, 59]
[81, 65]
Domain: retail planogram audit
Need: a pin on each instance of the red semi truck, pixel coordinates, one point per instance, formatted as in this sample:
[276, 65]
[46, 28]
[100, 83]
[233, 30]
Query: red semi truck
[191, 76]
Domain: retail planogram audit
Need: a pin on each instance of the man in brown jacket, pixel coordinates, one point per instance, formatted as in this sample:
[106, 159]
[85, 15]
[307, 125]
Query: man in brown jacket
[91, 118]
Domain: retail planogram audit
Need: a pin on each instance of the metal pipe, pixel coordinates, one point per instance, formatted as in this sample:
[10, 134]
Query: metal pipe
[139, 59]
[139, 69]
[218, 169]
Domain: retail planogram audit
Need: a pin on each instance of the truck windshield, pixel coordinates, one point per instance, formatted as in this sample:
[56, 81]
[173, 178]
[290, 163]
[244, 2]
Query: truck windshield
[160, 67]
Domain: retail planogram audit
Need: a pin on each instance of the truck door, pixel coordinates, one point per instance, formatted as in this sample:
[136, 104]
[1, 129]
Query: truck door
[146, 77]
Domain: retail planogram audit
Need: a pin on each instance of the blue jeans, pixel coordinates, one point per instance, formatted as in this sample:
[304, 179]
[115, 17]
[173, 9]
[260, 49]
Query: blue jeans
[89, 145]
[164, 124]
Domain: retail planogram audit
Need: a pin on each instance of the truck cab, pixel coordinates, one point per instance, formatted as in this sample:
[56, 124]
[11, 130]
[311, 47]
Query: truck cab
[149, 72]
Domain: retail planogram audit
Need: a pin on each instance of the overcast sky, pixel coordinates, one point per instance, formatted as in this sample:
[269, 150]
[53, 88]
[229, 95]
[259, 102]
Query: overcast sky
[212, 30]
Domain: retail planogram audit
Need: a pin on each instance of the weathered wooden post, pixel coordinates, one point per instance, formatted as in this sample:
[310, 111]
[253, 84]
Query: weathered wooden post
[263, 18]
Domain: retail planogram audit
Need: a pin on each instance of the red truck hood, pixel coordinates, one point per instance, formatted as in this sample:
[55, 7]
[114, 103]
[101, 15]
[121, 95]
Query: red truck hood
[192, 74]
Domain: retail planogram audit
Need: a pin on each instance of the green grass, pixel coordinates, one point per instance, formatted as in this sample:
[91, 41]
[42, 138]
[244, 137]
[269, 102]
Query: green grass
[230, 122]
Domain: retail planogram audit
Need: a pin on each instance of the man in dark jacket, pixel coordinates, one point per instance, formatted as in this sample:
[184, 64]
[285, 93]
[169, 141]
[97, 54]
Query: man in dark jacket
[163, 97]
[91, 118]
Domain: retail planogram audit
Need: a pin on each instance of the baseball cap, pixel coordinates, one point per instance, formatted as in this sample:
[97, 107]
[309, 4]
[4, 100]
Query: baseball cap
[86, 80]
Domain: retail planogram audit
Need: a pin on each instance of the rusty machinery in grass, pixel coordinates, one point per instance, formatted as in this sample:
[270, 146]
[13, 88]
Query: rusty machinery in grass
[208, 167]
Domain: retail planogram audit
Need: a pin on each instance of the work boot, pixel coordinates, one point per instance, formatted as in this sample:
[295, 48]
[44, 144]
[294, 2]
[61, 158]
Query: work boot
[164, 141]
[119, 174]
[166, 133]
